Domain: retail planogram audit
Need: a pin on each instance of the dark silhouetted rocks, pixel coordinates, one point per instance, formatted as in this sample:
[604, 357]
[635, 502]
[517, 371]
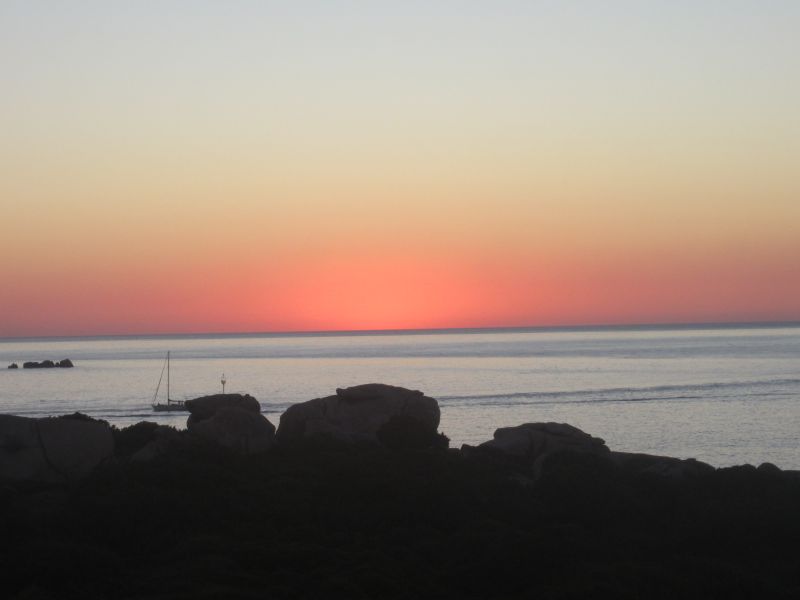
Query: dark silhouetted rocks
[661, 466]
[544, 510]
[52, 450]
[358, 413]
[206, 407]
[45, 364]
[48, 364]
[769, 468]
[146, 441]
[233, 421]
[537, 442]
[13, 366]
[404, 432]
[133, 438]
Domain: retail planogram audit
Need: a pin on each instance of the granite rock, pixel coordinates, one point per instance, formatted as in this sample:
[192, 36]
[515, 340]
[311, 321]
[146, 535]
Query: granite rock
[360, 414]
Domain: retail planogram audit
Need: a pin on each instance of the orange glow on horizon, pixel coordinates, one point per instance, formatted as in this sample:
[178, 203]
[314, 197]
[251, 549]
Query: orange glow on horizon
[249, 167]
[384, 291]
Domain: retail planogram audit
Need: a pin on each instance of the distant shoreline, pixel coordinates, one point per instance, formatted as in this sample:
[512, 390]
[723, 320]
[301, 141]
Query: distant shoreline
[432, 331]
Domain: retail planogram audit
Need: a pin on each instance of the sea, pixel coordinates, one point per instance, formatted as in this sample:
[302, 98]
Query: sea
[725, 395]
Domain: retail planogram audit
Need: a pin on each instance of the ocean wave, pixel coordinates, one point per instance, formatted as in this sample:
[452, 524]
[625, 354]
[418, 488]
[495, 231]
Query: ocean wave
[626, 394]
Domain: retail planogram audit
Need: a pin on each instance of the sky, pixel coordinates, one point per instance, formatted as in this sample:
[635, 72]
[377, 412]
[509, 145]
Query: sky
[296, 166]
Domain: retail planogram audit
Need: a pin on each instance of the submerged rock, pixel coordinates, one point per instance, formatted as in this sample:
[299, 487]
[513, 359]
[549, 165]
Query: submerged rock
[232, 421]
[52, 450]
[372, 412]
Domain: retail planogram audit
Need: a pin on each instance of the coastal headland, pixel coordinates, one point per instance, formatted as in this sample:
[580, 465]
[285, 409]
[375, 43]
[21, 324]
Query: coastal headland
[357, 495]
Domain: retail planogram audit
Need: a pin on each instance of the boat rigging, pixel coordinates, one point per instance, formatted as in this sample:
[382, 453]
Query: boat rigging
[170, 405]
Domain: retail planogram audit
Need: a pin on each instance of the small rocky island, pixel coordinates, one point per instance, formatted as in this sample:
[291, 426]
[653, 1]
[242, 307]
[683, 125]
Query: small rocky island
[358, 495]
[45, 364]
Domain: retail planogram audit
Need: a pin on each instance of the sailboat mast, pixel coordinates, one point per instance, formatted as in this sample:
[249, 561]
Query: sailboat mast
[167, 376]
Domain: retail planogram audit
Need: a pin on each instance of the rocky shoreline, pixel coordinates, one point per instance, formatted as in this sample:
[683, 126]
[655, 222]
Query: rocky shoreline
[357, 495]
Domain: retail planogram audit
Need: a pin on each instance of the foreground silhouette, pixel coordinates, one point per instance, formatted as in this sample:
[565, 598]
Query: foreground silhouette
[542, 511]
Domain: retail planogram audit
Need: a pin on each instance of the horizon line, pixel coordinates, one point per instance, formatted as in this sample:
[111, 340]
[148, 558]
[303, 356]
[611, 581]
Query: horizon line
[422, 331]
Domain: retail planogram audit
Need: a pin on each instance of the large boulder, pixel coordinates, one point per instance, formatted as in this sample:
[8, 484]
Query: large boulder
[371, 412]
[232, 421]
[237, 430]
[145, 441]
[206, 407]
[65, 363]
[52, 450]
[537, 442]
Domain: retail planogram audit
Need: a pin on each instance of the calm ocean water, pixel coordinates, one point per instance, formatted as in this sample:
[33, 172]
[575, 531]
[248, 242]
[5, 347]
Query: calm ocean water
[723, 395]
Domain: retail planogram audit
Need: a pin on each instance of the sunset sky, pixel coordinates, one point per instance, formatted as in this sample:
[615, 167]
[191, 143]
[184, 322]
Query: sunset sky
[272, 166]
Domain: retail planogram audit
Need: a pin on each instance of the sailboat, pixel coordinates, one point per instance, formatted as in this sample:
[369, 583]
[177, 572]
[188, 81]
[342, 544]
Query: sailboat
[171, 405]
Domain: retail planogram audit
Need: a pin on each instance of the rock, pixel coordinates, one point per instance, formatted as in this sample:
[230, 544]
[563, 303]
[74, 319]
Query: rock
[231, 420]
[134, 437]
[145, 441]
[404, 432]
[363, 413]
[163, 439]
[237, 429]
[769, 469]
[13, 366]
[206, 407]
[738, 471]
[52, 450]
[667, 467]
[792, 474]
[536, 442]
[45, 364]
